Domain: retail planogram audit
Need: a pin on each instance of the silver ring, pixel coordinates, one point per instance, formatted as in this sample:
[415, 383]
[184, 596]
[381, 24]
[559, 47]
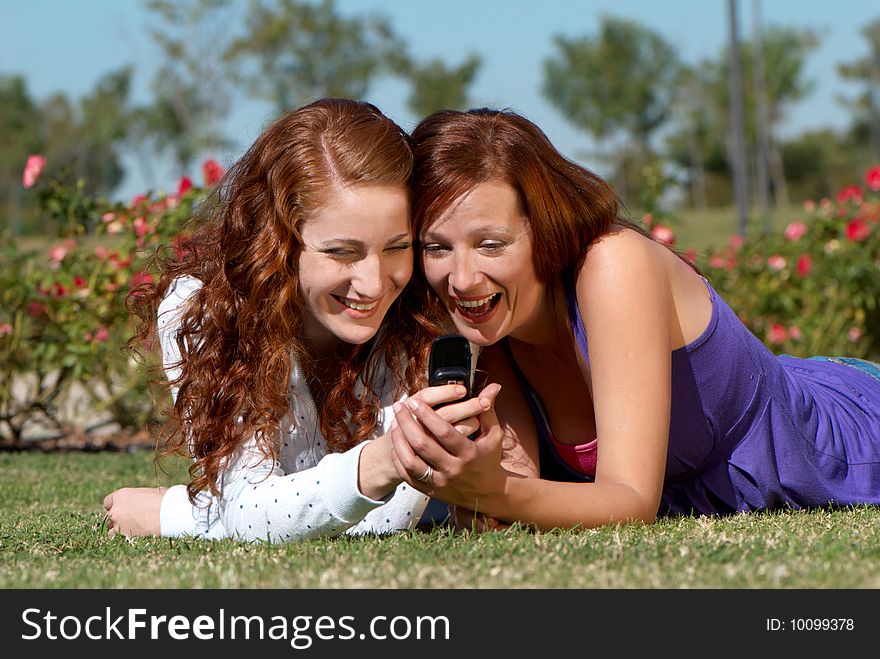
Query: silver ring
[426, 477]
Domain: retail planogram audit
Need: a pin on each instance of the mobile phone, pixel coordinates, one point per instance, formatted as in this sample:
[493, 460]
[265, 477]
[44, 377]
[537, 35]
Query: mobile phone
[450, 362]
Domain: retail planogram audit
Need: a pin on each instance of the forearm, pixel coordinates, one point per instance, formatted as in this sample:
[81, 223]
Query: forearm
[547, 504]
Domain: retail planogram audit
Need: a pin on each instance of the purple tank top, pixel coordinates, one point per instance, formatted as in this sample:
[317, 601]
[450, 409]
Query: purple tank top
[750, 430]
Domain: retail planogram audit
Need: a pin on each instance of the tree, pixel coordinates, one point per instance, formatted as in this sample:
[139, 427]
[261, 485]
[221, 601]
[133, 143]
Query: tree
[301, 51]
[617, 83]
[193, 86]
[19, 125]
[866, 71]
[436, 86]
[784, 53]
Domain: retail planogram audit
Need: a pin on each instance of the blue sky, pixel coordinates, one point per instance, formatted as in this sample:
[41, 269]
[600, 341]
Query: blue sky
[66, 45]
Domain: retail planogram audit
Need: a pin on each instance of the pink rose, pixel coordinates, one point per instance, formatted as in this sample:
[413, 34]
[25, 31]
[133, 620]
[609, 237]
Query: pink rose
[809, 205]
[32, 169]
[735, 241]
[850, 193]
[854, 334]
[777, 334]
[663, 235]
[101, 334]
[5, 328]
[776, 262]
[101, 252]
[140, 227]
[57, 253]
[795, 231]
[794, 332]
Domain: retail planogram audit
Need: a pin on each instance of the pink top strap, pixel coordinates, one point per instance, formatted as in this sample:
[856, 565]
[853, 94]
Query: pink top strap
[580, 457]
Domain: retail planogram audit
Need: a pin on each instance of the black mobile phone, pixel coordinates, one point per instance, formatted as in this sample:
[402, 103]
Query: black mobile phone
[450, 362]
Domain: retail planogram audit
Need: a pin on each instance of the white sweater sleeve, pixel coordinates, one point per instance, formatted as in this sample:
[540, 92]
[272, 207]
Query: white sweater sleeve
[259, 501]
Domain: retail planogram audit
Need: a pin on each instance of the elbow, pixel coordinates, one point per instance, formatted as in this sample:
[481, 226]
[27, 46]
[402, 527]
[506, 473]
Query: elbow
[641, 508]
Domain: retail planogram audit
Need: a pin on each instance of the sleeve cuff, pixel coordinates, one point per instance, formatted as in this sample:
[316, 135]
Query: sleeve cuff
[339, 486]
[176, 513]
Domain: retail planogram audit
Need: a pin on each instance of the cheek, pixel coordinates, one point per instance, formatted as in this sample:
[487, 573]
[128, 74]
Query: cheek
[403, 273]
[436, 273]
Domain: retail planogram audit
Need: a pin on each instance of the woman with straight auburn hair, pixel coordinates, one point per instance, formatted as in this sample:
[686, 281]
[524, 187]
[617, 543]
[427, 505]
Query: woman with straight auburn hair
[288, 328]
[630, 384]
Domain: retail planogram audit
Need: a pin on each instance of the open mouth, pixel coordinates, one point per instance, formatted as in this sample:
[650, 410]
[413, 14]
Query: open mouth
[362, 307]
[479, 308]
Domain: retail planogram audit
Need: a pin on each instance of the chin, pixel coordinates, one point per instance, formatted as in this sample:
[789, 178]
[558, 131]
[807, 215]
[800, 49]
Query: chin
[356, 335]
[481, 337]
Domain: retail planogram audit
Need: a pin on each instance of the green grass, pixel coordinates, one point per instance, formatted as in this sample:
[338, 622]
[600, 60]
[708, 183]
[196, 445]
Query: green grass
[51, 536]
[712, 227]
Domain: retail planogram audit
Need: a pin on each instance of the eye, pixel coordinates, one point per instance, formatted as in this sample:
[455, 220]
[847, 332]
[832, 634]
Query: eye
[402, 247]
[433, 248]
[492, 245]
[340, 253]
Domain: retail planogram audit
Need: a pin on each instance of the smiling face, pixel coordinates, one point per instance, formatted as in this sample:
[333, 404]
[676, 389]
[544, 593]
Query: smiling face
[477, 257]
[355, 261]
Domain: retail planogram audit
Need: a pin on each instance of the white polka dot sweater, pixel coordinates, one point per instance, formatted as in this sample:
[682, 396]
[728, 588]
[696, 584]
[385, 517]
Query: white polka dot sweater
[306, 493]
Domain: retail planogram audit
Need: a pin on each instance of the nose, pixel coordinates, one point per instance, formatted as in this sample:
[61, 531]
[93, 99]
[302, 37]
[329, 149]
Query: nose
[368, 279]
[464, 276]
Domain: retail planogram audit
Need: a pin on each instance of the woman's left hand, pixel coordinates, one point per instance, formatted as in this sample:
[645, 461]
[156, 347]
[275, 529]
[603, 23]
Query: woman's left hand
[435, 458]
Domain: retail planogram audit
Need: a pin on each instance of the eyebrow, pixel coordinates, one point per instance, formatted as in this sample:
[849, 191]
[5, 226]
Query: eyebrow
[506, 232]
[361, 244]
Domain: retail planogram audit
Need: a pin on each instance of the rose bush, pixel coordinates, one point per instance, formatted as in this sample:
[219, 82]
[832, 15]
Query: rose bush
[63, 321]
[813, 289]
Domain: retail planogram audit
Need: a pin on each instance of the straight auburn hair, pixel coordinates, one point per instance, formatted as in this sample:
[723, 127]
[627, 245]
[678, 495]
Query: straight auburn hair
[567, 205]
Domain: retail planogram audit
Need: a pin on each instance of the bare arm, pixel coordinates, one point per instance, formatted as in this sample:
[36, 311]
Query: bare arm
[626, 303]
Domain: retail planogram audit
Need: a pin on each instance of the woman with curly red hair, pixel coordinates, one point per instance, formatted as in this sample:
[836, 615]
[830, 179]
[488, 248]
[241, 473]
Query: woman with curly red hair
[288, 329]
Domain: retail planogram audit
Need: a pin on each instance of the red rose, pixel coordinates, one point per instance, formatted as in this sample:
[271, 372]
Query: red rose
[872, 177]
[857, 230]
[212, 171]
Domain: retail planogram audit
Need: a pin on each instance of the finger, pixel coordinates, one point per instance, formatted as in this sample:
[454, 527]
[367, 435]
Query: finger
[408, 465]
[445, 393]
[112, 531]
[455, 412]
[422, 443]
[487, 418]
[108, 501]
[435, 426]
[467, 427]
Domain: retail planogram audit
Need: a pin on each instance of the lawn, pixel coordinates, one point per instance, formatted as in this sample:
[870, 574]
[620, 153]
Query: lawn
[51, 536]
[712, 227]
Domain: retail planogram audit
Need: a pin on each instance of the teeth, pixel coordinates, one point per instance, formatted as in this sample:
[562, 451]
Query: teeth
[474, 303]
[357, 306]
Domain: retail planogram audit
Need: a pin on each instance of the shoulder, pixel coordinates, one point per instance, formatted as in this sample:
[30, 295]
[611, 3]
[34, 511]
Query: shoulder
[179, 292]
[621, 263]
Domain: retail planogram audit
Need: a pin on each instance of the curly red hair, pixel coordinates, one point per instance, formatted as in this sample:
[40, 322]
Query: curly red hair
[242, 327]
